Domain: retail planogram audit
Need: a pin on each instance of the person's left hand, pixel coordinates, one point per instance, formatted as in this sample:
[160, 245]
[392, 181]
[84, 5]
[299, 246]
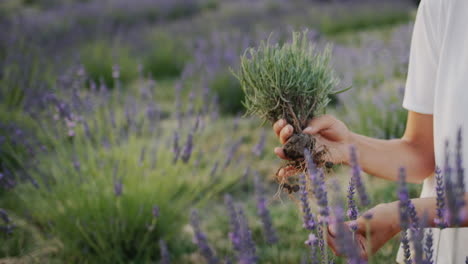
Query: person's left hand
[383, 225]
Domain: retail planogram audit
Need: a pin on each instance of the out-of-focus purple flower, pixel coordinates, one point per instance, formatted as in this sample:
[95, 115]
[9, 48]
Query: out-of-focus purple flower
[155, 211]
[344, 238]
[231, 151]
[466, 260]
[455, 201]
[118, 187]
[404, 200]
[201, 240]
[308, 217]
[263, 213]
[165, 256]
[460, 171]
[312, 242]
[175, 147]
[8, 227]
[317, 179]
[187, 152]
[406, 247]
[214, 169]
[361, 189]
[258, 148]
[404, 215]
[247, 245]
[352, 208]
[234, 234]
[440, 189]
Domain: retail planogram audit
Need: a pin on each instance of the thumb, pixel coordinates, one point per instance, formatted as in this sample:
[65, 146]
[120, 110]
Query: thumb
[320, 123]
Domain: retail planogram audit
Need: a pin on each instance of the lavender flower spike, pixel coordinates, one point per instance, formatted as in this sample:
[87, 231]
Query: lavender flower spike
[441, 209]
[187, 152]
[352, 208]
[308, 216]
[428, 250]
[317, 179]
[201, 240]
[312, 242]
[263, 213]
[363, 197]
[234, 235]
[165, 259]
[248, 249]
[404, 216]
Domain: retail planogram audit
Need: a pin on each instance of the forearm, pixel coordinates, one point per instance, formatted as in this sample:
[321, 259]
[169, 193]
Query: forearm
[426, 208]
[383, 158]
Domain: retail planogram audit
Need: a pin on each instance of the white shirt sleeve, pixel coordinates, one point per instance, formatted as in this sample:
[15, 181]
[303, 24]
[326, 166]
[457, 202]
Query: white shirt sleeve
[424, 57]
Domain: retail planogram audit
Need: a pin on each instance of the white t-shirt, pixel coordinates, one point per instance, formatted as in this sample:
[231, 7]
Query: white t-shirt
[438, 84]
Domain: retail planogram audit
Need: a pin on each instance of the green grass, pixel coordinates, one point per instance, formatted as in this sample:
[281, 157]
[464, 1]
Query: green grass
[363, 21]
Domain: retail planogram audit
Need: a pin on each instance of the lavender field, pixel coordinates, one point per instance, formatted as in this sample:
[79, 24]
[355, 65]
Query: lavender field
[123, 139]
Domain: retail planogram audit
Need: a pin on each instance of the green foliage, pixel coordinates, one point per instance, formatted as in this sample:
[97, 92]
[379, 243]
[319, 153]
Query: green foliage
[167, 56]
[347, 22]
[230, 93]
[100, 57]
[75, 199]
[292, 81]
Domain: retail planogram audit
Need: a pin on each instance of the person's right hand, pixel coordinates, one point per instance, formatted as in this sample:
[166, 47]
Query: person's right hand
[331, 134]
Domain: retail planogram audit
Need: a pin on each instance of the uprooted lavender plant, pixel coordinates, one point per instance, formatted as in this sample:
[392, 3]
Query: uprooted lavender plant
[292, 81]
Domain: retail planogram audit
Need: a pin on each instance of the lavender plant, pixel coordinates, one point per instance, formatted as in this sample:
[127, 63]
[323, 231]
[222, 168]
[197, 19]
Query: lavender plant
[292, 81]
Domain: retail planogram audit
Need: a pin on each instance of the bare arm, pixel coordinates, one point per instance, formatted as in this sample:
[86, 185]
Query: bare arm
[381, 158]
[386, 223]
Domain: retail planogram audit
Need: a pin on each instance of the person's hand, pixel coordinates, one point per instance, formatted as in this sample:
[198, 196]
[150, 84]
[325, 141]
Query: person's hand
[331, 134]
[383, 225]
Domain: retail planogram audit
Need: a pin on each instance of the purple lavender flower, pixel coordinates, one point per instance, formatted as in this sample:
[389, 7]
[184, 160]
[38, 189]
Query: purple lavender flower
[428, 250]
[155, 211]
[406, 247]
[234, 235]
[363, 197]
[247, 245]
[8, 227]
[345, 242]
[258, 148]
[317, 179]
[312, 242]
[187, 152]
[165, 258]
[231, 151]
[404, 215]
[455, 202]
[440, 189]
[201, 240]
[459, 164]
[263, 213]
[308, 217]
[352, 208]
[466, 260]
[214, 169]
[118, 187]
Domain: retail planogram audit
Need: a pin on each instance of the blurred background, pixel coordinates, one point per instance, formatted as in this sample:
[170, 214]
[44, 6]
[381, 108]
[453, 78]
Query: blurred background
[120, 117]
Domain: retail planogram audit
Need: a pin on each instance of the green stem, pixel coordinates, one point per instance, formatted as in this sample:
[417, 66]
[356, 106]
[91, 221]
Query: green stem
[368, 241]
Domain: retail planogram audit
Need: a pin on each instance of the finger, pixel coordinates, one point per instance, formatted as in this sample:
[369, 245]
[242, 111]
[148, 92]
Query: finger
[319, 123]
[286, 133]
[279, 125]
[361, 243]
[287, 172]
[280, 153]
[332, 244]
